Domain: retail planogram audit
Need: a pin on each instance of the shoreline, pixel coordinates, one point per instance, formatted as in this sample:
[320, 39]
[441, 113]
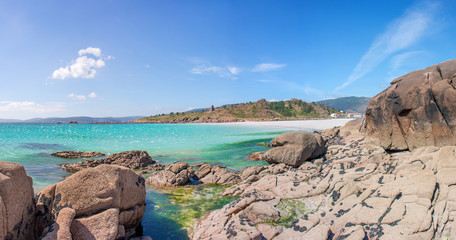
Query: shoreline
[320, 124]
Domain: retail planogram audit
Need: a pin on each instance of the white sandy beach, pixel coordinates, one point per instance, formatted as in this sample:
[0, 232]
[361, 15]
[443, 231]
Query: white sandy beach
[297, 124]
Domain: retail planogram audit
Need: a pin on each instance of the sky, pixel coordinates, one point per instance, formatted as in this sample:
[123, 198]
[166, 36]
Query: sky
[141, 58]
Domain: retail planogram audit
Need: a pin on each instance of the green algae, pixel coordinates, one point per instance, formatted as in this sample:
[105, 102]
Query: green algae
[291, 209]
[185, 205]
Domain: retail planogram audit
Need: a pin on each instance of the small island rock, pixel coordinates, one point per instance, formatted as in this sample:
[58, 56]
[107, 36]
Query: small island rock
[136, 159]
[77, 154]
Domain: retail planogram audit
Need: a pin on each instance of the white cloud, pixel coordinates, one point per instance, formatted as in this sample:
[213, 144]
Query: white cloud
[147, 66]
[90, 50]
[76, 97]
[234, 70]
[82, 67]
[28, 106]
[265, 67]
[82, 97]
[403, 32]
[92, 95]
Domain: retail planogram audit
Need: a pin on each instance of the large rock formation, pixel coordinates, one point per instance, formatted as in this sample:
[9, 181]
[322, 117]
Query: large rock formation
[359, 192]
[131, 159]
[106, 202]
[418, 109]
[16, 202]
[294, 148]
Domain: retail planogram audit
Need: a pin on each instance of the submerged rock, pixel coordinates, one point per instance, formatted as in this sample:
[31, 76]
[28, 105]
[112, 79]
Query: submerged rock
[256, 156]
[77, 154]
[418, 109]
[104, 202]
[16, 202]
[294, 148]
[131, 159]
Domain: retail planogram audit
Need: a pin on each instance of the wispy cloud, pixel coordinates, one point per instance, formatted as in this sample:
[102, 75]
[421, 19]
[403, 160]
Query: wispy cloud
[398, 60]
[223, 72]
[265, 67]
[264, 80]
[76, 97]
[28, 106]
[234, 70]
[83, 66]
[306, 89]
[82, 97]
[403, 32]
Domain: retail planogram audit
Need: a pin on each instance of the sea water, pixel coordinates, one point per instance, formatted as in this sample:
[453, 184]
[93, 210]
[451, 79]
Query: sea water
[167, 213]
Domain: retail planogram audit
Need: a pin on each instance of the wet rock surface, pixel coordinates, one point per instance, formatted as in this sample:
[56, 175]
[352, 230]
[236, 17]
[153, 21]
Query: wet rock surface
[136, 159]
[357, 191]
[77, 154]
[418, 109]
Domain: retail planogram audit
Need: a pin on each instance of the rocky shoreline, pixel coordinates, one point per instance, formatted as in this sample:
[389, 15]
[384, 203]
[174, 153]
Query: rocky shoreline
[105, 202]
[390, 175]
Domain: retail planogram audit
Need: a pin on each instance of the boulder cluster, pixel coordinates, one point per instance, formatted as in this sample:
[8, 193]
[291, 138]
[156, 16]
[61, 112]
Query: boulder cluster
[355, 191]
[181, 173]
[106, 202]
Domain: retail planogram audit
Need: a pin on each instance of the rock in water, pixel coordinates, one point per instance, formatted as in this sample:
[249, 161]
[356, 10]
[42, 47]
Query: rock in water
[294, 148]
[77, 154]
[131, 159]
[16, 202]
[108, 201]
[418, 109]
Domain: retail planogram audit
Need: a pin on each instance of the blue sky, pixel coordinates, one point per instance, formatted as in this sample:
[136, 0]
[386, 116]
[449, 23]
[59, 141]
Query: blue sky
[120, 58]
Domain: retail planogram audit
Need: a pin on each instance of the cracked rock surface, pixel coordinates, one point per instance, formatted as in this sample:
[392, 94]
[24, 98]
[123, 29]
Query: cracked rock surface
[357, 191]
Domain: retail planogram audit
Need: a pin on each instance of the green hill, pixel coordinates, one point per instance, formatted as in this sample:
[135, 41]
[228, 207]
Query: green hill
[253, 111]
[347, 104]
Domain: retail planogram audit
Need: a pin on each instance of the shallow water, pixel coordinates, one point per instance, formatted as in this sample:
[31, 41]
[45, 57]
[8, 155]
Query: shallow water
[167, 213]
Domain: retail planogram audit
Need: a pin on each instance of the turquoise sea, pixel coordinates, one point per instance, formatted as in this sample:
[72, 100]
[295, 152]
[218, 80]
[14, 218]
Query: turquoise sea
[227, 145]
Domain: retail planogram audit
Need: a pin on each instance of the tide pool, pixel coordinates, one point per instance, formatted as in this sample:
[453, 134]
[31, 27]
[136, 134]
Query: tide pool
[170, 212]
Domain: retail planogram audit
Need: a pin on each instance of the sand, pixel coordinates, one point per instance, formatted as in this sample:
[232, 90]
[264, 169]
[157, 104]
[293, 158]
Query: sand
[298, 124]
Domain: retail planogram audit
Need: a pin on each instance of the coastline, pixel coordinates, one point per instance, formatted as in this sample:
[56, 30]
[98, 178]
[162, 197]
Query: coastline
[320, 124]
